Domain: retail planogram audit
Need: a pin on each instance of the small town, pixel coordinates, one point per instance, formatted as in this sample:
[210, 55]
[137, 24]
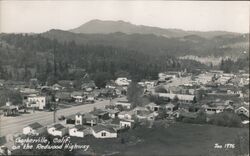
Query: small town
[124, 78]
[211, 97]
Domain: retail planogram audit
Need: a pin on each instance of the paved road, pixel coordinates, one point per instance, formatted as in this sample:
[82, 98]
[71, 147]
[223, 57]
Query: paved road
[12, 125]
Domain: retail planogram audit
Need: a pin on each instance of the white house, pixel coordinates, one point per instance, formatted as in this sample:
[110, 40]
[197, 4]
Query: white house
[126, 123]
[77, 131]
[35, 101]
[57, 130]
[79, 119]
[126, 115]
[152, 107]
[112, 113]
[77, 96]
[101, 131]
[124, 104]
[122, 81]
[34, 129]
[243, 110]
[213, 110]
[182, 98]
[170, 108]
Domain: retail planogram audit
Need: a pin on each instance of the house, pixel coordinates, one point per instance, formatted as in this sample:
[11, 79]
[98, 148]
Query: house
[112, 113]
[34, 101]
[90, 99]
[170, 108]
[111, 84]
[167, 76]
[213, 109]
[63, 96]
[146, 115]
[101, 114]
[126, 115]
[66, 84]
[123, 104]
[77, 131]
[90, 119]
[101, 131]
[126, 123]
[152, 107]
[9, 110]
[79, 119]
[78, 96]
[182, 98]
[34, 129]
[57, 87]
[28, 91]
[122, 81]
[88, 86]
[139, 109]
[243, 110]
[57, 130]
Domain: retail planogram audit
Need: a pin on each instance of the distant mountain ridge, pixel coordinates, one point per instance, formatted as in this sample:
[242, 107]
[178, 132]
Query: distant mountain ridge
[107, 27]
[224, 45]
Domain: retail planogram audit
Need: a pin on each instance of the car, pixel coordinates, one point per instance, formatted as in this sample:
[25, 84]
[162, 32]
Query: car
[61, 117]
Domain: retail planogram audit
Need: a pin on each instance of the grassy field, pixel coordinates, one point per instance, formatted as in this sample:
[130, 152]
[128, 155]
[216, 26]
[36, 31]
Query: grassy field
[178, 139]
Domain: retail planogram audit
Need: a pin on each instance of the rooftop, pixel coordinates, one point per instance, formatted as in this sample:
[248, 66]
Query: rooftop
[100, 128]
[35, 125]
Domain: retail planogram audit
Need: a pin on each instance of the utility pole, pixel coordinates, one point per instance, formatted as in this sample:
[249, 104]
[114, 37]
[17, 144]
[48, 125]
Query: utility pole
[55, 110]
[54, 99]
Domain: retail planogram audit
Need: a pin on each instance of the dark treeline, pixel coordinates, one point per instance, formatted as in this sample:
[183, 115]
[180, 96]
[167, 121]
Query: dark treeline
[25, 56]
[229, 65]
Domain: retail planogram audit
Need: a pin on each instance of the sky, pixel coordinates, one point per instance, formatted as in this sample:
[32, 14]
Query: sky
[40, 16]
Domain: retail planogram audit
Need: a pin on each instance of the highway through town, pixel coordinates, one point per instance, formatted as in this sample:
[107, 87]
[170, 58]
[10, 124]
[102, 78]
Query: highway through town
[13, 125]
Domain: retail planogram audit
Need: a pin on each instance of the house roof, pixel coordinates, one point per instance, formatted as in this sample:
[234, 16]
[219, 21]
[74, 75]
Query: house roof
[63, 95]
[89, 116]
[126, 112]
[242, 106]
[8, 107]
[151, 104]
[35, 125]
[170, 105]
[77, 93]
[180, 96]
[100, 128]
[80, 127]
[112, 111]
[58, 126]
[57, 85]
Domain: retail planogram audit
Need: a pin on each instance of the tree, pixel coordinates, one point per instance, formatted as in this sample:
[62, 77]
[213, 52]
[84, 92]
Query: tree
[160, 89]
[228, 119]
[134, 94]
[175, 99]
[101, 78]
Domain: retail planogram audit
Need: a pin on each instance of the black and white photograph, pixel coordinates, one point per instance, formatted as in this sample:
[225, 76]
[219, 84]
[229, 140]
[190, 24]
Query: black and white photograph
[124, 78]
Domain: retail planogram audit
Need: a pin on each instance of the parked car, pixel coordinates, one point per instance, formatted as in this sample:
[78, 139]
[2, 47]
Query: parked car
[61, 117]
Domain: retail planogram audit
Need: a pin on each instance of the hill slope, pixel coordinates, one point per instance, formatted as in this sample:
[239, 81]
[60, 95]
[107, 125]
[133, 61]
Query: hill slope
[106, 27]
[224, 45]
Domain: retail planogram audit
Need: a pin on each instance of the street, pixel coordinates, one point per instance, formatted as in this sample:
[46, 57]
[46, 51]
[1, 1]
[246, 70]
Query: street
[12, 125]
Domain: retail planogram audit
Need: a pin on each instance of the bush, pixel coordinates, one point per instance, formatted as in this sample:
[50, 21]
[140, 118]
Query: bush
[227, 119]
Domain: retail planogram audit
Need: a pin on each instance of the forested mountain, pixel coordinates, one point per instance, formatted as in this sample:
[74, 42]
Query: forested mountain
[225, 45]
[24, 56]
[139, 52]
[106, 27]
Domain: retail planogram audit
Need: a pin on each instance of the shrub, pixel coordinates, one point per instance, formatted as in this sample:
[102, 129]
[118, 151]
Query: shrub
[228, 119]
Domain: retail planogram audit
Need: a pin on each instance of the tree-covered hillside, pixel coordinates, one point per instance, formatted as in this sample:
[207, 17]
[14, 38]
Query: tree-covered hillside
[223, 45]
[25, 56]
